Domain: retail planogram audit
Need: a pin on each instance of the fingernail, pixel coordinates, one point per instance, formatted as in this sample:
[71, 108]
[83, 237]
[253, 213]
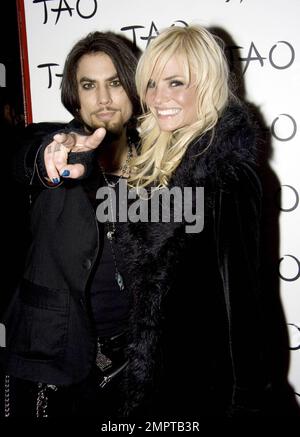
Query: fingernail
[55, 180]
[65, 173]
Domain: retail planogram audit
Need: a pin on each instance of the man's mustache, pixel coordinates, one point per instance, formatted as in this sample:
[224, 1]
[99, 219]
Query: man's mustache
[106, 109]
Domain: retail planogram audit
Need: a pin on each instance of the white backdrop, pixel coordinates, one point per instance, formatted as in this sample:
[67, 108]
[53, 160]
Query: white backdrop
[267, 35]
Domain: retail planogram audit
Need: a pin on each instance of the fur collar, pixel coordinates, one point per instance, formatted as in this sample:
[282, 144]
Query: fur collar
[232, 142]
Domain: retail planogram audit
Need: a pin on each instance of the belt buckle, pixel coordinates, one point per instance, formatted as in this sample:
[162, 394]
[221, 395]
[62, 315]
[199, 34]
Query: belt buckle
[102, 361]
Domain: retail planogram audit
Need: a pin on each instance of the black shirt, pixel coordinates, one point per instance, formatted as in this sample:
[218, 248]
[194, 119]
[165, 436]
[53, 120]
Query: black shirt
[109, 304]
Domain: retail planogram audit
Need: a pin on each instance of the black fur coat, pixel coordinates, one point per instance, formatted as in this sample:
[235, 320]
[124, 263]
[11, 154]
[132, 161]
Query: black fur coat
[196, 340]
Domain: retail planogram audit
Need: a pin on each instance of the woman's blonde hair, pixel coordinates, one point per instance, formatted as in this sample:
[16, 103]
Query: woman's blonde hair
[201, 55]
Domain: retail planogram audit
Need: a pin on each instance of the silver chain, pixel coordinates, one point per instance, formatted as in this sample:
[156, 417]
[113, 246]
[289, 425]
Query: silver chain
[125, 169]
[111, 231]
[42, 399]
[7, 396]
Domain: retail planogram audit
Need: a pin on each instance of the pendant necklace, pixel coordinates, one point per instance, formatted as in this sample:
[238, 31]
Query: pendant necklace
[111, 226]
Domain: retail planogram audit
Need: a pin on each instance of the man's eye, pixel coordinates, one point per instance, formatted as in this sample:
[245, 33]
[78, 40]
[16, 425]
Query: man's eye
[115, 83]
[151, 84]
[88, 85]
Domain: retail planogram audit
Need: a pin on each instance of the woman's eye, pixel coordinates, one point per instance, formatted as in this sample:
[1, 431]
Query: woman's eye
[175, 83]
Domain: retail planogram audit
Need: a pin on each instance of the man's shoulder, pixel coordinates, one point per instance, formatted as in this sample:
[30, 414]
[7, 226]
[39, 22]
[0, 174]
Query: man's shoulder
[44, 127]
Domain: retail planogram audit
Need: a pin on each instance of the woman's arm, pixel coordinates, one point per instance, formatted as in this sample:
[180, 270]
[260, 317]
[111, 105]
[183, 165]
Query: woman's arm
[237, 233]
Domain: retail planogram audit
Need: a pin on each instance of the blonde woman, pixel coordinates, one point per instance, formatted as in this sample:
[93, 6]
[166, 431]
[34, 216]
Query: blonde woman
[197, 346]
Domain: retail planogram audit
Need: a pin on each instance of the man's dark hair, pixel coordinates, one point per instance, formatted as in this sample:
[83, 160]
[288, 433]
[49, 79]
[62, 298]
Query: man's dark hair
[123, 55]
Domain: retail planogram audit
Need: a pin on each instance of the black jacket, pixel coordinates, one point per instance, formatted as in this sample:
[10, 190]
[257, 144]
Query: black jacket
[196, 339]
[49, 335]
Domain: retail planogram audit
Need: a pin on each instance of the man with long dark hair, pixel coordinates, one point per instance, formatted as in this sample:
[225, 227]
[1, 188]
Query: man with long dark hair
[66, 327]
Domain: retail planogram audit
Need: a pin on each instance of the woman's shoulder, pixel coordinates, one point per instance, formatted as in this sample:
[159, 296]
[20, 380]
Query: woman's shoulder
[229, 149]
